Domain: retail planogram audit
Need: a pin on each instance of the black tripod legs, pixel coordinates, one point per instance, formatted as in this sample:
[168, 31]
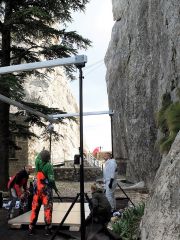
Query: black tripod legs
[126, 195]
[65, 216]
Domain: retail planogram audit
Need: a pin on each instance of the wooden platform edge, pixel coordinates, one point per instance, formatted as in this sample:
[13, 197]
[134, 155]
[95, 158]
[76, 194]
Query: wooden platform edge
[19, 226]
[14, 226]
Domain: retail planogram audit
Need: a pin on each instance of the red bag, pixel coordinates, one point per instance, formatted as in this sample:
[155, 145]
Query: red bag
[11, 182]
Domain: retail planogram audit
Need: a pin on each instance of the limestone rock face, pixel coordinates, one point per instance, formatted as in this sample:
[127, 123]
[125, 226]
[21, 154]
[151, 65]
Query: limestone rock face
[162, 214]
[54, 91]
[118, 8]
[142, 61]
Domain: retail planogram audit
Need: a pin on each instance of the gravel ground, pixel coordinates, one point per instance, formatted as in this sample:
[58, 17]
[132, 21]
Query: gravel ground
[70, 189]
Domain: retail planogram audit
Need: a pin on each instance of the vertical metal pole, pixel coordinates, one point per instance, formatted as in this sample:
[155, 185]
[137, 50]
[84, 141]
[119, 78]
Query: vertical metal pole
[112, 147]
[50, 129]
[81, 154]
[50, 143]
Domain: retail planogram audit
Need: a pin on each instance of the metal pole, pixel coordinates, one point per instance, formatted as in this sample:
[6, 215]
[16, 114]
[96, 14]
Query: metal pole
[56, 116]
[112, 147]
[81, 153]
[78, 59]
[50, 143]
[50, 130]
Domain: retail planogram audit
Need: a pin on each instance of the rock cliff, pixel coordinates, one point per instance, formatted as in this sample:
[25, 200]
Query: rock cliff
[54, 91]
[162, 214]
[142, 61]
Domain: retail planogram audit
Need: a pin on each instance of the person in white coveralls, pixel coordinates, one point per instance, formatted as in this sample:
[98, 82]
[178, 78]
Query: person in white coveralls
[110, 179]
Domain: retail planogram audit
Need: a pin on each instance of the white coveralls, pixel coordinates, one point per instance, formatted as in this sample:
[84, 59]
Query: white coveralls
[110, 171]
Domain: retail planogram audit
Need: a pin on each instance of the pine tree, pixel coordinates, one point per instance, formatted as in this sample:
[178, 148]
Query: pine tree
[29, 33]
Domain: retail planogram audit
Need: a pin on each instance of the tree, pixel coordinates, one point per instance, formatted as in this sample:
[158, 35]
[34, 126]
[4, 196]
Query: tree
[32, 30]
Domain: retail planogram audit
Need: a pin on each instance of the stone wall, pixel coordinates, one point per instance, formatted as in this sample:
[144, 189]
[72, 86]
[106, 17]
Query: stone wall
[21, 157]
[72, 174]
[17, 158]
[142, 60]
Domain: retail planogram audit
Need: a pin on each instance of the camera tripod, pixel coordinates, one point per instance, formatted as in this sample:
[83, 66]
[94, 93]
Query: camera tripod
[66, 215]
[126, 194]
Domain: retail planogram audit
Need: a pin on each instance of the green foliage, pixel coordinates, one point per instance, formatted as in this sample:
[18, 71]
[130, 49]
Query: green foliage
[168, 121]
[166, 100]
[161, 119]
[128, 225]
[14, 85]
[31, 119]
[20, 130]
[32, 31]
[35, 30]
[38, 30]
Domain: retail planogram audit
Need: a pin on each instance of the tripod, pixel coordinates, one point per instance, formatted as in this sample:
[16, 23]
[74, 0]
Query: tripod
[126, 195]
[67, 213]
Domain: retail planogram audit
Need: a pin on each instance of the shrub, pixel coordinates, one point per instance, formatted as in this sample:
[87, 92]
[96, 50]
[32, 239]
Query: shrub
[168, 121]
[128, 225]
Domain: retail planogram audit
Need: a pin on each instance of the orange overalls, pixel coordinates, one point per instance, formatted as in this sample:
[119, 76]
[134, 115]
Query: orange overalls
[43, 195]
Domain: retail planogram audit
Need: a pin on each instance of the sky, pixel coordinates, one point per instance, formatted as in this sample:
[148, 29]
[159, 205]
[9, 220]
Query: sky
[95, 24]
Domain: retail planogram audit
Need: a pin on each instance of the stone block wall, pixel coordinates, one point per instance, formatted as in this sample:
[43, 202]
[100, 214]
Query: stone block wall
[21, 157]
[72, 174]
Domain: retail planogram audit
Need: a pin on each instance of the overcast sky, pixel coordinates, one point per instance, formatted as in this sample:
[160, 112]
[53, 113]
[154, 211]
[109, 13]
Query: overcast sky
[95, 24]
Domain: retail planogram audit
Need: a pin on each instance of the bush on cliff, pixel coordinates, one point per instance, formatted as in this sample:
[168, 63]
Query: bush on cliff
[168, 121]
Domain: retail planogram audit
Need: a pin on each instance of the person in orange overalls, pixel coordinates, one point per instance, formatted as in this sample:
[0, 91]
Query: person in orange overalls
[43, 186]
